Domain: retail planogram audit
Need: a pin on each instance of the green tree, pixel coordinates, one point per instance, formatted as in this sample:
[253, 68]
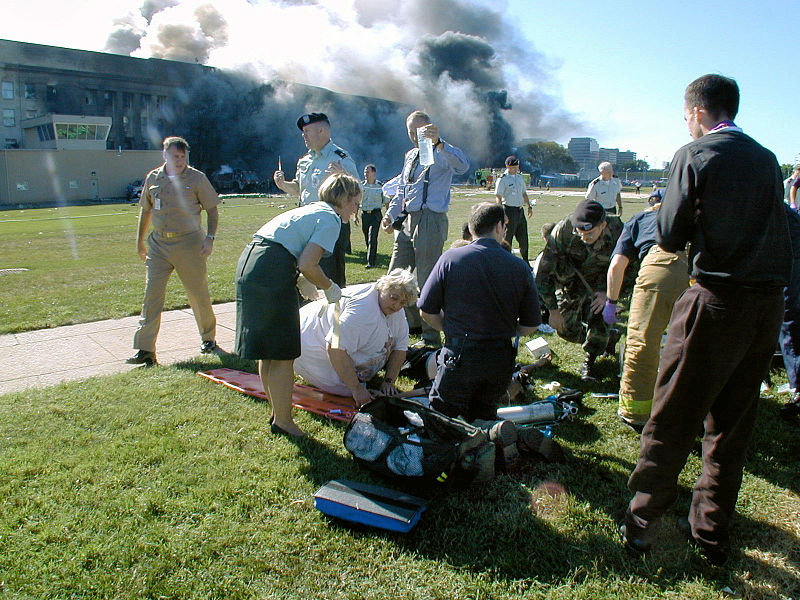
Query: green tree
[633, 165]
[549, 157]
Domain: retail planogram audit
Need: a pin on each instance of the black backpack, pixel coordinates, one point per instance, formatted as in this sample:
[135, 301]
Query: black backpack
[402, 439]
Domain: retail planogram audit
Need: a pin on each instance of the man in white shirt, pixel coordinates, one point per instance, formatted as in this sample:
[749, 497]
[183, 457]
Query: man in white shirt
[606, 189]
[510, 192]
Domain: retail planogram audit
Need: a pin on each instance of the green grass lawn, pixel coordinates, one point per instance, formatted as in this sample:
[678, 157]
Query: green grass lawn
[159, 484]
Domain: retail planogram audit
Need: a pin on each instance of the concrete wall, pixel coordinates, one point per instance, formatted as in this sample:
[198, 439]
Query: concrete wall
[46, 177]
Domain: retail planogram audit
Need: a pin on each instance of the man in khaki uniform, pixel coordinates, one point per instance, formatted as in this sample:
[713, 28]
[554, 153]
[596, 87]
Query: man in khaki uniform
[173, 196]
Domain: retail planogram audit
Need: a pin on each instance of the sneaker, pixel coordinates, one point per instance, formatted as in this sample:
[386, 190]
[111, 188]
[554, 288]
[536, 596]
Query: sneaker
[587, 369]
[715, 555]
[210, 347]
[637, 427]
[546, 329]
[142, 357]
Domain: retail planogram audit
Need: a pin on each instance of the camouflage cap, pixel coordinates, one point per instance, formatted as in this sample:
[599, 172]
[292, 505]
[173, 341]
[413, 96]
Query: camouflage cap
[311, 118]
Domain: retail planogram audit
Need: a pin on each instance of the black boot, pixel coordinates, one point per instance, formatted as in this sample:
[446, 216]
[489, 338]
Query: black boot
[587, 370]
[611, 346]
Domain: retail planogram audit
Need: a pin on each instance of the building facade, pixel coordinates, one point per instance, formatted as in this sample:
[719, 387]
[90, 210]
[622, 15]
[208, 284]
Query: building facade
[140, 96]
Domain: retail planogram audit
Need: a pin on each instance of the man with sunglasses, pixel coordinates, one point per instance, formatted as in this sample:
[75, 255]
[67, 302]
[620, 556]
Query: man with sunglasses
[572, 279]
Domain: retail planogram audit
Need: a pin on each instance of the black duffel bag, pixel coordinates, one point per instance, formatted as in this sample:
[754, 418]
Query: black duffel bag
[402, 439]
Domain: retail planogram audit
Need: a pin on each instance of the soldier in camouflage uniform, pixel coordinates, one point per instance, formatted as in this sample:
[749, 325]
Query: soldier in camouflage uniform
[572, 278]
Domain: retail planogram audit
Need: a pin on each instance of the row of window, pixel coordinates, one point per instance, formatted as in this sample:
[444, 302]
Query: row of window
[90, 97]
[79, 131]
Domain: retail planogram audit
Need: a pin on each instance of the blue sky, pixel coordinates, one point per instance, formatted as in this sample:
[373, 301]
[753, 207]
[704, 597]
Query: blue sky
[623, 66]
[620, 66]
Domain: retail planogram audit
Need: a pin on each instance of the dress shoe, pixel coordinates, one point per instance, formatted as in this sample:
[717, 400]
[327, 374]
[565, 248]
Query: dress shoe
[633, 546]
[791, 410]
[143, 357]
[715, 555]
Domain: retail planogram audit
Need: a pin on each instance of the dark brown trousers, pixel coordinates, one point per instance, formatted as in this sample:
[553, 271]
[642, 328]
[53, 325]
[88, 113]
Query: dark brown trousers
[720, 342]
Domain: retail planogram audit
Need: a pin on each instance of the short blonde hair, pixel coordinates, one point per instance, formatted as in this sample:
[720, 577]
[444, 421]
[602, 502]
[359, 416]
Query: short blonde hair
[338, 188]
[400, 281]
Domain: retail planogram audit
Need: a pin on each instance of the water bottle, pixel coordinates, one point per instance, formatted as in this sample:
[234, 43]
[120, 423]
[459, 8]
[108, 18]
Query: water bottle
[425, 149]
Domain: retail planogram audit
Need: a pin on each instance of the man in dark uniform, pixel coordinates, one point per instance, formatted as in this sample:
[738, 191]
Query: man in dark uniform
[571, 278]
[481, 296]
[725, 196]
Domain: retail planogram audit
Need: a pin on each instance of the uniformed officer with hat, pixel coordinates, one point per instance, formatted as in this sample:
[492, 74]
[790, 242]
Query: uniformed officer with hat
[323, 158]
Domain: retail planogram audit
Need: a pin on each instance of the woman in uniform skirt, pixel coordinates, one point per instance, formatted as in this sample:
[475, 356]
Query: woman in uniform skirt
[267, 305]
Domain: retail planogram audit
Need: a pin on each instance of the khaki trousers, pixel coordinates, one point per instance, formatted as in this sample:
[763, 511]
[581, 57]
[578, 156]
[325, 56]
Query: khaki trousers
[182, 254]
[663, 276]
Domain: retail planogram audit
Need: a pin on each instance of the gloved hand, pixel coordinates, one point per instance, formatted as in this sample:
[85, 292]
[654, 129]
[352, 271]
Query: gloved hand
[307, 289]
[610, 313]
[333, 293]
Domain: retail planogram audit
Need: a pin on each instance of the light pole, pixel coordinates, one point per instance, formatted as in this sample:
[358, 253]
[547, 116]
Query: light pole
[627, 179]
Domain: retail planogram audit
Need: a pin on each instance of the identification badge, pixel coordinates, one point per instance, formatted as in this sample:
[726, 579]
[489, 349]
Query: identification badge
[157, 203]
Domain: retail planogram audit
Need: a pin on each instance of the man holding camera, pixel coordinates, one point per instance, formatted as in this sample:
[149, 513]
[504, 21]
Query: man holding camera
[423, 197]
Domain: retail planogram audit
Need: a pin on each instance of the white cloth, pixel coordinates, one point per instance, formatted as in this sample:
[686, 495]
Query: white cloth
[604, 192]
[363, 331]
[510, 188]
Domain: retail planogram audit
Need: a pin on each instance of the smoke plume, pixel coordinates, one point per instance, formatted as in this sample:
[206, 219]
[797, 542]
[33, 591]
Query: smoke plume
[465, 64]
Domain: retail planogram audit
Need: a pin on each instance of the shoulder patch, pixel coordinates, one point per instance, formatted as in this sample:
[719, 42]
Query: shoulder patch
[340, 152]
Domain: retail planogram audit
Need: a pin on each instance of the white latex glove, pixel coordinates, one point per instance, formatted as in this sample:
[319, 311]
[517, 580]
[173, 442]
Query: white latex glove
[307, 289]
[333, 293]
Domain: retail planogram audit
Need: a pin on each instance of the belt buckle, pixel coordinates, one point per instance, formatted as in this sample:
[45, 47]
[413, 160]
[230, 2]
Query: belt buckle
[170, 234]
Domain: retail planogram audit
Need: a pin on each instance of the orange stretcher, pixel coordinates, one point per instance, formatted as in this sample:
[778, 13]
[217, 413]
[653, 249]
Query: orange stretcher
[341, 408]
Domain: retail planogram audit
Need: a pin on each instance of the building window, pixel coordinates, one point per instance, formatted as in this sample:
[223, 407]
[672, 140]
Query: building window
[11, 143]
[102, 132]
[30, 91]
[8, 90]
[23, 186]
[45, 132]
[9, 117]
[52, 93]
[73, 184]
[30, 114]
[127, 100]
[91, 97]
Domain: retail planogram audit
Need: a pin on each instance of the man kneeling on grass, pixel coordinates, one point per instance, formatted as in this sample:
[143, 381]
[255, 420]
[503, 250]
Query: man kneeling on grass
[345, 345]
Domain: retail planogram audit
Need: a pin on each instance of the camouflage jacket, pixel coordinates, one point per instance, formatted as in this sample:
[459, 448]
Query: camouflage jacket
[568, 267]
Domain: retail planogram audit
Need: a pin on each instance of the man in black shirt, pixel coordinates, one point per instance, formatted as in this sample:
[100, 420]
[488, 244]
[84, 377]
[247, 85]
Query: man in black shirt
[725, 196]
[481, 296]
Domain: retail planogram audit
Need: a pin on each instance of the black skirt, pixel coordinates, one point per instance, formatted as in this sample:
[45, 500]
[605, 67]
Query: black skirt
[267, 304]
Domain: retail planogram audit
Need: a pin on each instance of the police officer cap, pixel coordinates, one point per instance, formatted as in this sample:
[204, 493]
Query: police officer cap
[311, 118]
[512, 160]
[588, 214]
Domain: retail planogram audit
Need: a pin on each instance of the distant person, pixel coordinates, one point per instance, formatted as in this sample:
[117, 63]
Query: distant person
[344, 346]
[789, 339]
[323, 158]
[662, 277]
[423, 194]
[548, 186]
[655, 185]
[173, 197]
[267, 307]
[606, 189]
[638, 187]
[371, 214]
[571, 278]
[481, 296]
[793, 192]
[510, 192]
[787, 187]
[723, 329]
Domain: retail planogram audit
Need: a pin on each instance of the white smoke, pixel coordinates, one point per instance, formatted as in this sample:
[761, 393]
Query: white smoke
[443, 56]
